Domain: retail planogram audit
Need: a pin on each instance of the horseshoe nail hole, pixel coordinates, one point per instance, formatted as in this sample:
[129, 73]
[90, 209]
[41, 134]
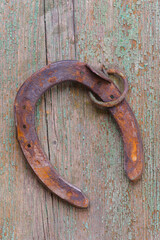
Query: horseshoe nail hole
[29, 145]
[24, 107]
[24, 126]
[111, 96]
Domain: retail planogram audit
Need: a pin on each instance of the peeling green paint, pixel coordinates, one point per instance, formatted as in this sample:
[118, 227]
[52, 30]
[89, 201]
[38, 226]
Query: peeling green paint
[88, 148]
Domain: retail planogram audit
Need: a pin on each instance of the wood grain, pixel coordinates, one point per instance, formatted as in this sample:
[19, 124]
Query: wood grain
[82, 141]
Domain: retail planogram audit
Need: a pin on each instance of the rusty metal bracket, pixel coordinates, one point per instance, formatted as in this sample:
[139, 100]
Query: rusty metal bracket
[115, 102]
[99, 84]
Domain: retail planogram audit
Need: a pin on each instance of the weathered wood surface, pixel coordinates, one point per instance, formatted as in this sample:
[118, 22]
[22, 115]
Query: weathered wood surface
[82, 142]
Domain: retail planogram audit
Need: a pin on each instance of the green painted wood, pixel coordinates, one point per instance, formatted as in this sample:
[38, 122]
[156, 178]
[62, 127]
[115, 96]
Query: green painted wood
[82, 141]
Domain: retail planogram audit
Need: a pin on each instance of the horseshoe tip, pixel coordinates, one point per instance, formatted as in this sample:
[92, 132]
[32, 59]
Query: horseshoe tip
[136, 173]
[83, 203]
[86, 203]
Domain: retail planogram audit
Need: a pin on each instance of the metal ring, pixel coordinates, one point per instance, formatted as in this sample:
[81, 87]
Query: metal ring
[118, 100]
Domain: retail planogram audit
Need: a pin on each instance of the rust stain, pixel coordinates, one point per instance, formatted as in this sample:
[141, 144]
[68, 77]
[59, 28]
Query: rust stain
[52, 79]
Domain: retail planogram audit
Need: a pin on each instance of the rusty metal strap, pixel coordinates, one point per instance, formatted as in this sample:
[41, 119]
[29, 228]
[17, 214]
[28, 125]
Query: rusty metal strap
[115, 102]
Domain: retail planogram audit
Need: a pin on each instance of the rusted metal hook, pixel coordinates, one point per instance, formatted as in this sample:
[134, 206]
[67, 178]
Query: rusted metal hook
[24, 108]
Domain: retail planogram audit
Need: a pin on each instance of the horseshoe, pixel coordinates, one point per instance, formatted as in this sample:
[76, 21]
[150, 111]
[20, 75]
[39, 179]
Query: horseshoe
[24, 108]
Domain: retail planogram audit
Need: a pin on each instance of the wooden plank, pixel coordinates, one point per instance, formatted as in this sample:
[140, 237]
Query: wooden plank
[23, 52]
[124, 36]
[82, 141]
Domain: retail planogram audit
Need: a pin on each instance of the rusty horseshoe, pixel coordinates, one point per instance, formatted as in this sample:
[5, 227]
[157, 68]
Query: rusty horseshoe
[99, 84]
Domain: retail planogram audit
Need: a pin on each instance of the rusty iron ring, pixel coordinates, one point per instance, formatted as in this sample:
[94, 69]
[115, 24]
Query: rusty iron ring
[24, 109]
[119, 99]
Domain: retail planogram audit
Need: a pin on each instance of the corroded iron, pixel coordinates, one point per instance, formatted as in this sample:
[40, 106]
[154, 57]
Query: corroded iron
[99, 84]
[117, 100]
